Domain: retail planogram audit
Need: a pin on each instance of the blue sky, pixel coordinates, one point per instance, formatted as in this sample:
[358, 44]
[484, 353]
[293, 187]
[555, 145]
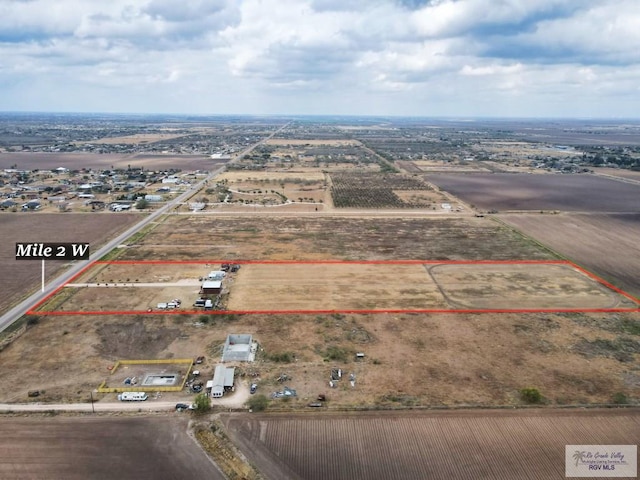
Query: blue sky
[519, 58]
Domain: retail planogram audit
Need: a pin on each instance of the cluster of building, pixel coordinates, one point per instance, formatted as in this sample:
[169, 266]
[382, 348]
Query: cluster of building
[237, 348]
[117, 189]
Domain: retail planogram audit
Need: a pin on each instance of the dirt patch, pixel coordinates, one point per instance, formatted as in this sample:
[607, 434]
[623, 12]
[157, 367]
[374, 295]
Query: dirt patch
[621, 348]
[133, 341]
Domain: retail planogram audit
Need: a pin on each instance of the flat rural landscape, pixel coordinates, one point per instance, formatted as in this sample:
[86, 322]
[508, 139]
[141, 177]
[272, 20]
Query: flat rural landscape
[373, 266]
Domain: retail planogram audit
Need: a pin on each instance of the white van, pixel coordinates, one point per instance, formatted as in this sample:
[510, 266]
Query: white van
[132, 396]
[208, 304]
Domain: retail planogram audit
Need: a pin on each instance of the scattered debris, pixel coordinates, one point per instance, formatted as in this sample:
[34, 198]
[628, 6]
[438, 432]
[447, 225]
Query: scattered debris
[286, 392]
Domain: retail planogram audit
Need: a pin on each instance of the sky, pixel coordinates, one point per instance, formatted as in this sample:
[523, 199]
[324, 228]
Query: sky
[428, 58]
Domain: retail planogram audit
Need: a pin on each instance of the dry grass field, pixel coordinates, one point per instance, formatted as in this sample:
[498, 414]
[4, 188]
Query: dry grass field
[523, 286]
[78, 448]
[410, 359]
[576, 193]
[262, 237]
[606, 244]
[333, 287]
[447, 167]
[618, 172]
[343, 286]
[497, 445]
[22, 277]
[305, 142]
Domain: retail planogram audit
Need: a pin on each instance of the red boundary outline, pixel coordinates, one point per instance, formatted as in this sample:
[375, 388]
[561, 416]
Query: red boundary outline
[32, 310]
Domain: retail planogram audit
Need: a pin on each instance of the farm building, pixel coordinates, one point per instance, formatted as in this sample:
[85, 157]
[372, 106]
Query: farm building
[222, 380]
[239, 348]
[211, 287]
[216, 275]
[153, 198]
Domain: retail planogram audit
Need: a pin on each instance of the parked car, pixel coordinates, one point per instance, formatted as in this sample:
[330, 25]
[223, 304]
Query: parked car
[184, 406]
[253, 388]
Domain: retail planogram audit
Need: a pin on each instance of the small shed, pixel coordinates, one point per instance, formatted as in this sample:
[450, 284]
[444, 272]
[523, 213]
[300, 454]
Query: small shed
[216, 275]
[211, 287]
[222, 380]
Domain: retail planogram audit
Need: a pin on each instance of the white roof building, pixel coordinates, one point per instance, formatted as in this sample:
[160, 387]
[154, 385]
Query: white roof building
[222, 379]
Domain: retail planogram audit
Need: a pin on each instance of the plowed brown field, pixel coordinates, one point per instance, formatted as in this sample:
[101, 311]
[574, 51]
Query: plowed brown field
[496, 445]
[100, 448]
[20, 277]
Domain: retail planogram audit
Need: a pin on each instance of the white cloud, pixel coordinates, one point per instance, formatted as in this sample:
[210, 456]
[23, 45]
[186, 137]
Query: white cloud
[322, 56]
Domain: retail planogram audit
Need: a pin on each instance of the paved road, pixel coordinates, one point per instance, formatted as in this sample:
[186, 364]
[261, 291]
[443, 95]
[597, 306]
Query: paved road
[22, 308]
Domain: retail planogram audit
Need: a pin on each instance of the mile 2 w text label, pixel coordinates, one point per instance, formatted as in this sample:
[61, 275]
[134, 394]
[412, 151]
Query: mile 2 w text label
[52, 251]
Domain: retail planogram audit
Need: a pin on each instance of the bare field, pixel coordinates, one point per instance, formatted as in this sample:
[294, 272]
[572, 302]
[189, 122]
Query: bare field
[453, 445]
[21, 277]
[581, 193]
[138, 138]
[76, 161]
[605, 244]
[77, 448]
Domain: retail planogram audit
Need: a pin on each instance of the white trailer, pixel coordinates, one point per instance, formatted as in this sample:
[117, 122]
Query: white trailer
[132, 396]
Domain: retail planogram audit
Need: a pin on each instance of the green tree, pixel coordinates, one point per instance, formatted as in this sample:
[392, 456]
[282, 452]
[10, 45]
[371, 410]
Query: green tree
[258, 403]
[201, 403]
[531, 395]
[142, 204]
